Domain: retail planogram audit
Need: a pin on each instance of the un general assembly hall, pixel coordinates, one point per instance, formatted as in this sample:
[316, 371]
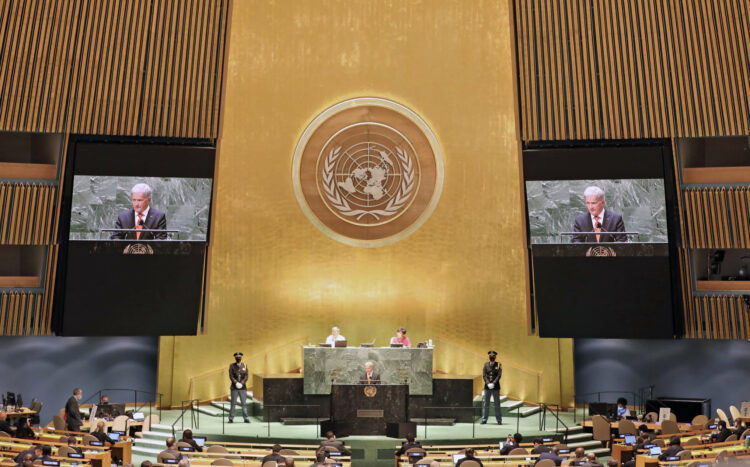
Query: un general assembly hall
[268, 233]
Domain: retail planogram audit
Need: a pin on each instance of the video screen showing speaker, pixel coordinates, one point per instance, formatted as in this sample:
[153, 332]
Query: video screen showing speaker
[134, 233]
[601, 233]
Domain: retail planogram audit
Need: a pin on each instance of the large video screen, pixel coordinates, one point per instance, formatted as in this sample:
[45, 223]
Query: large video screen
[109, 207]
[601, 233]
[134, 233]
[597, 211]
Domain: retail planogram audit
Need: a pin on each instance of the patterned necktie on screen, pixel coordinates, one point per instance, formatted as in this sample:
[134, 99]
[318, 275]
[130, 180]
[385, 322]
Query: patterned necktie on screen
[139, 226]
[597, 228]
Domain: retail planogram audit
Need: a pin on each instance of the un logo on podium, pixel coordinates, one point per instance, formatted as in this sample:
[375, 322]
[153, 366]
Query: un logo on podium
[370, 391]
[368, 172]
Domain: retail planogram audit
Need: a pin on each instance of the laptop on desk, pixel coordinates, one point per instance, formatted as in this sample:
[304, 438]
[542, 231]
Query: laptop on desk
[200, 440]
[340, 344]
[654, 451]
[629, 439]
[396, 344]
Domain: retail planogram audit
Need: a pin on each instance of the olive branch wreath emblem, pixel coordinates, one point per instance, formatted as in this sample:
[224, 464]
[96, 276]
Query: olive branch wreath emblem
[342, 205]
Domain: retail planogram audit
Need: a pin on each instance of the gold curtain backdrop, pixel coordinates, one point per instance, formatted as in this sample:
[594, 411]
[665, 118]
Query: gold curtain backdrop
[275, 281]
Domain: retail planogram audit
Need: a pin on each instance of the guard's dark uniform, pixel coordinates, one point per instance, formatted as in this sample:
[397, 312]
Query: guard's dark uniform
[491, 374]
[238, 374]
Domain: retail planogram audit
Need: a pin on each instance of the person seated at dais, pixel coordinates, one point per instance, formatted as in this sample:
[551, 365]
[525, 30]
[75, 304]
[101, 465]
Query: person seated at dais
[401, 338]
[335, 336]
[622, 409]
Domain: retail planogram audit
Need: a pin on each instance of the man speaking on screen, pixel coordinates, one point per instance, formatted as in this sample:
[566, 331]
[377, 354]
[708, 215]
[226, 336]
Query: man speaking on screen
[598, 220]
[142, 216]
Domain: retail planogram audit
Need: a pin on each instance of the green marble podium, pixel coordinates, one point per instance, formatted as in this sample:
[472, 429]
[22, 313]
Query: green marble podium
[345, 365]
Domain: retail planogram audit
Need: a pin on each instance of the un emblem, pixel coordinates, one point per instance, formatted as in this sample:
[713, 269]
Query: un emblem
[138, 249]
[368, 172]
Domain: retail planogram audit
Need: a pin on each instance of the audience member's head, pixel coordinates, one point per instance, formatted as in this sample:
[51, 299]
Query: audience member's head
[71, 440]
[105, 399]
[187, 434]
[101, 427]
[622, 402]
[46, 450]
[77, 392]
[276, 448]
[470, 453]
[518, 437]
[555, 449]
[289, 461]
[538, 441]
[37, 450]
[170, 442]
[21, 422]
[643, 428]
[28, 460]
[330, 435]
[722, 425]
[580, 452]
[320, 456]
[434, 464]
[591, 457]
[674, 441]
[410, 437]
[612, 462]
[147, 464]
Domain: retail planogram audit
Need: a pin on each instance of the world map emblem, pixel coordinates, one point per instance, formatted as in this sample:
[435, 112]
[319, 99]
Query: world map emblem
[368, 172]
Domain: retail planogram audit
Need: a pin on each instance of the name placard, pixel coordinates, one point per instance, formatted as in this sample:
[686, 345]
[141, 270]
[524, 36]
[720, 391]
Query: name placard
[369, 413]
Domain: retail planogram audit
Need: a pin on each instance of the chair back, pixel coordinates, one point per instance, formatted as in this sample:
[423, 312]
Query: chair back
[699, 420]
[163, 455]
[63, 451]
[518, 452]
[473, 463]
[544, 463]
[695, 464]
[222, 461]
[150, 420]
[651, 417]
[121, 423]
[685, 455]
[4, 434]
[673, 416]
[735, 413]
[731, 438]
[692, 442]
[602, 431]
[425, 461]
[669, 427]
[87, 439]
[269, 464]
[58, 422]
[414, 450]
[723, 416]
[288, 452]
[217, 448]
[627, 427]
[183, 444]
[745, 433]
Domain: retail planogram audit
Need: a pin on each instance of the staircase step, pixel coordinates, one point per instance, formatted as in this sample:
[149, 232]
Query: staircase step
[590, 444]
[529, 411]
[302, 421]
[434, 421]
[579, 436]
[159, 427]
[151, 443]
[148, 452]
[208, 411]
[599, 451]
[570, 429]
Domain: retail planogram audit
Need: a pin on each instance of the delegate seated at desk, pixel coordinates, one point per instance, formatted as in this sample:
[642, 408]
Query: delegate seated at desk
[401, 338]
[369, 376]
[4, 425]
[335, 336]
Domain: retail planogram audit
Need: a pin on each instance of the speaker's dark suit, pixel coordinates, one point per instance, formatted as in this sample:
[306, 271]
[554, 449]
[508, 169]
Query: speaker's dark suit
[375, 378]
[154, 220]
[612, 222]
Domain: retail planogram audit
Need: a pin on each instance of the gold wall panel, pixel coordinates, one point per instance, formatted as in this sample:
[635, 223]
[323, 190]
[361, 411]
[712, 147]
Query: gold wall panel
[620, 69]
[462, 277]
[125, 67]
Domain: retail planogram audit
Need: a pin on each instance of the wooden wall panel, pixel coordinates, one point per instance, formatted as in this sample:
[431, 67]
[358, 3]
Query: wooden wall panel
[717, 217]
[26, 213]
[718, 316]
[626, 69]
[124, 67]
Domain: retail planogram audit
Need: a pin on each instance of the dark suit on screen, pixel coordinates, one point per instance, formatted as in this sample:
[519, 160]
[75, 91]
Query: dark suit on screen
[155, 219]
[374, 379]
[612, 222]
[74, 418]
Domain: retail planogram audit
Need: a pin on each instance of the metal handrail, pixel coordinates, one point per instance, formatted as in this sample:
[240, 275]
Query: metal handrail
[543, 420]
[194, 421]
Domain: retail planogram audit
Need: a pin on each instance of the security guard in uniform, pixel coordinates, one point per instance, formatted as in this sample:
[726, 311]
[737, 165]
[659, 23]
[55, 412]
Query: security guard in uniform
[238, 378]
[491, 375]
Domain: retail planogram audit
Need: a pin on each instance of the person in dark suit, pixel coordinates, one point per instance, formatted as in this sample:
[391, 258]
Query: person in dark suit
[491, 374]
[46, 453]
[470, 456]
[408, 444]
[72, 445]
[4, 425]
[73, 416]
[539, 446]
[274, 456]
[511, 443]
[552, 454]
[27, 460]
[23, 430]
[369, 376]
[723, 433]
[597, 220]
[673, 449]
[141, 215]
[171, 448]
[34, 452]
[336, 445]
